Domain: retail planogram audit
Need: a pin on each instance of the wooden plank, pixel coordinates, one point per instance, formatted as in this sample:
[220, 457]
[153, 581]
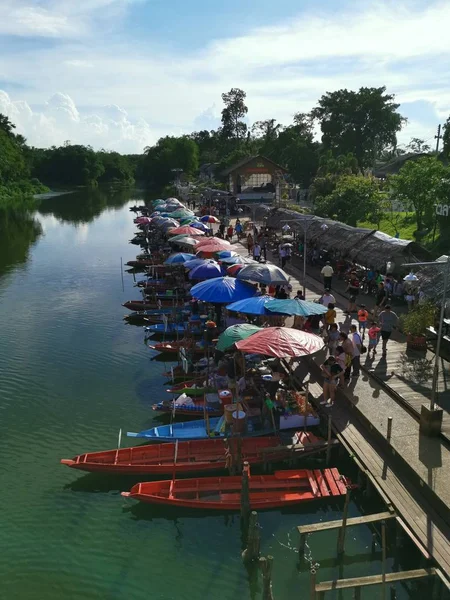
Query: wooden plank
[342, 584]
[337, 477]
[313, 484]
[313, 527]
[331, 483]
[321, 482]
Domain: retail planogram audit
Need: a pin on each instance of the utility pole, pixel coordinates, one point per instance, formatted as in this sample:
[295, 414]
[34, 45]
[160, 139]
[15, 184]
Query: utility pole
[438, 138]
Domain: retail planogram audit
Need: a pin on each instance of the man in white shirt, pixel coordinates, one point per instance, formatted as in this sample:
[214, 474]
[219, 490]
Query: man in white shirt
[327, 273]
[282, 255]
[327, 298]
[357, 343]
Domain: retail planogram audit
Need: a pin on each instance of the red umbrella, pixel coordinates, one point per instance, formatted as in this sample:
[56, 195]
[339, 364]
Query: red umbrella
[234, 269]
[215, 242]
[282, 342]
[185, 230]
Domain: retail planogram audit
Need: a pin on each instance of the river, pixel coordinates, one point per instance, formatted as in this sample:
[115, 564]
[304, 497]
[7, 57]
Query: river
[72, 373]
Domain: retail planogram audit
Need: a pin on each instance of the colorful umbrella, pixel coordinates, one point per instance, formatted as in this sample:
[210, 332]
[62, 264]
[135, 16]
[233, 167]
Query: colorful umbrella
[234, 334]
[169, 223]
[281, 342]
[178, 258]
[209, 219]
[226, 254]
[181, 213]
[268, 274]
[301, 308]
[187, 220]
[252, 306]
[142, 220]
[199, 225]
[237, 260]
[234, 269]
[209, 270]
[183, 240]
[185, 230]
[195, 262]
[218, 242]
[222, 290]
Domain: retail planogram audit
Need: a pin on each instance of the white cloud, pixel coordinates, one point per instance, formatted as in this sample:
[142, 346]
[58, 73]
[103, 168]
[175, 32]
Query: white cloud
[124, 94]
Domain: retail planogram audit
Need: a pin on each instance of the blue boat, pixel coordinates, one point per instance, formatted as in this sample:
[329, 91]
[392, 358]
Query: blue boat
[193, 430]
[197, 430]
[170, 328]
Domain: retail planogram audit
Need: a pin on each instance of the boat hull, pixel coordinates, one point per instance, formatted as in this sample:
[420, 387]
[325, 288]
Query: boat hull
[280, 490]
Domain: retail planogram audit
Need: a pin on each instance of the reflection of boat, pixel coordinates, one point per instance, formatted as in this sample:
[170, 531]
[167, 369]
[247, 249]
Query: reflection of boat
[283, 488]
[192, 456]
[215, 427]
[138, 305]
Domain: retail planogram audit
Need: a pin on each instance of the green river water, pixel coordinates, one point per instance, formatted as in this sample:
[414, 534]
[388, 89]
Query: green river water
[72, 373]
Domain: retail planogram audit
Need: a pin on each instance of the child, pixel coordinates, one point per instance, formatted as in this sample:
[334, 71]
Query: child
[330, 316]
[331, 372]
[363, 315]
[374, 333]
[333, 338]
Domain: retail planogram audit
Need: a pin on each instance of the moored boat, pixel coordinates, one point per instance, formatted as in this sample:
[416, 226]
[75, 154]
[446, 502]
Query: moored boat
[139, 305]
[191, 456]
[282, 489]
[196, 407]
[174, 346]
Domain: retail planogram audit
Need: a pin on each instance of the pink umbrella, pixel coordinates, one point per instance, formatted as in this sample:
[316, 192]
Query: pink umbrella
[282, 342]
[185, 230]
[142, 220]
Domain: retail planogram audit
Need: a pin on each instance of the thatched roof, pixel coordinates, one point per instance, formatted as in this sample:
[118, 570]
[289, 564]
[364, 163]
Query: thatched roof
[367, 247]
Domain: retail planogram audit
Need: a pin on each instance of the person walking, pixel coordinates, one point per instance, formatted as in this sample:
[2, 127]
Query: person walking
[333, 338]
[331, 371]
[353, 289]
[230, 231]
[250, 244]
[282, 255]
[257, 252]
[363, 315]
[357, 345]
[238, 229]
[327, 273]
[374, 335]
[327, 298]
[388, 321]
[263, 243]
[380, 300]
[330, 316]
[347, 346]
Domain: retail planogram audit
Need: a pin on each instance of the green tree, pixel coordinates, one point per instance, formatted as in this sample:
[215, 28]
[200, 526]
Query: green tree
[170, 153]
[364, 123]
[354, 198]
[331, 169]
[446, 137]
[116, 168]
[419, 185]
[68, 165]
[418, 146]
[233, 128]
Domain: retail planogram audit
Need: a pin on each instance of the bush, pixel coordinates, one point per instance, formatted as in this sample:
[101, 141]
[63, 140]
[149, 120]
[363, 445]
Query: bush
[416, 321]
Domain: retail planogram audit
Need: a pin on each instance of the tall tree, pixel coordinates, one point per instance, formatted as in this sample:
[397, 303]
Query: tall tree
[364, 123]
[418, 146]
[446, 137]
[235, 110]
[266, 130]
[170, 153]
[330, 170]
[419, 185]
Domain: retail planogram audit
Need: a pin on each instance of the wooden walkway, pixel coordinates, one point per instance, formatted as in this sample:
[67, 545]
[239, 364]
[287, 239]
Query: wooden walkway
[410, 473]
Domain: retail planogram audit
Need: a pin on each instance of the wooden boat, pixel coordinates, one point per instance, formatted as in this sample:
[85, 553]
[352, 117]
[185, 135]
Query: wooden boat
[280, 490]
[195, 410]
[177, 375]
[174, 346]
[186, 386]
[192, 456]
[140, 305]
[214, 427]
[171, 330]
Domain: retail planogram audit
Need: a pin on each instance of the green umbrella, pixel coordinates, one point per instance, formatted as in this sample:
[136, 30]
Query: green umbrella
[187, 220]
[181, 214]
[234, 334]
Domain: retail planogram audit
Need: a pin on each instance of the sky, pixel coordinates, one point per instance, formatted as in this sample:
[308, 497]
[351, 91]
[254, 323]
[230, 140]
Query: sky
[119, 74]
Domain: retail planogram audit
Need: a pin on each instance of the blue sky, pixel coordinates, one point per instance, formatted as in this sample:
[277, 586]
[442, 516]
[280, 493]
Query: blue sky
[120, 73]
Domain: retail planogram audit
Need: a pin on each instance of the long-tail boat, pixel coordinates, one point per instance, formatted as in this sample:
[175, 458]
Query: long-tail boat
[195, 409]
[190, 457]
[282, 489]
[174, 346]
[139, 305]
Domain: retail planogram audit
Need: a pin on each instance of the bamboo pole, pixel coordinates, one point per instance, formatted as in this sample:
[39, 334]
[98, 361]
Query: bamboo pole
[245, 492]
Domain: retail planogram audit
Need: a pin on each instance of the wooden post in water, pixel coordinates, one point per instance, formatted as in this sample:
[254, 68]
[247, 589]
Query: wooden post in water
[251, 553]
[357, 593]
[266, 565]
[341, 538]
[312, 583]
[383, 560]
[245, 492]
[329, 441]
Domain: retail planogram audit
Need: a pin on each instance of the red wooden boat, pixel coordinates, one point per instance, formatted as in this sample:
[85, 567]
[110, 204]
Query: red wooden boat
[192, 456]
[182, 385]
[282, 489]
[140, 305]
[173, 346]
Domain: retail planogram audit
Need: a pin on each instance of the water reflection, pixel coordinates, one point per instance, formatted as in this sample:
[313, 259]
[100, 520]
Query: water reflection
[83, 206]
[18, 232]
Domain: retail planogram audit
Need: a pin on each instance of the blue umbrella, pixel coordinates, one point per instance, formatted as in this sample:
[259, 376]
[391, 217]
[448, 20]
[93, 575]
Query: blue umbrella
[226, 254]
[195, 262]
[301, 308]
[252, 306]
[207, 271]
[199, 225]
[222, 290]
[236, 260]
[179, 257]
